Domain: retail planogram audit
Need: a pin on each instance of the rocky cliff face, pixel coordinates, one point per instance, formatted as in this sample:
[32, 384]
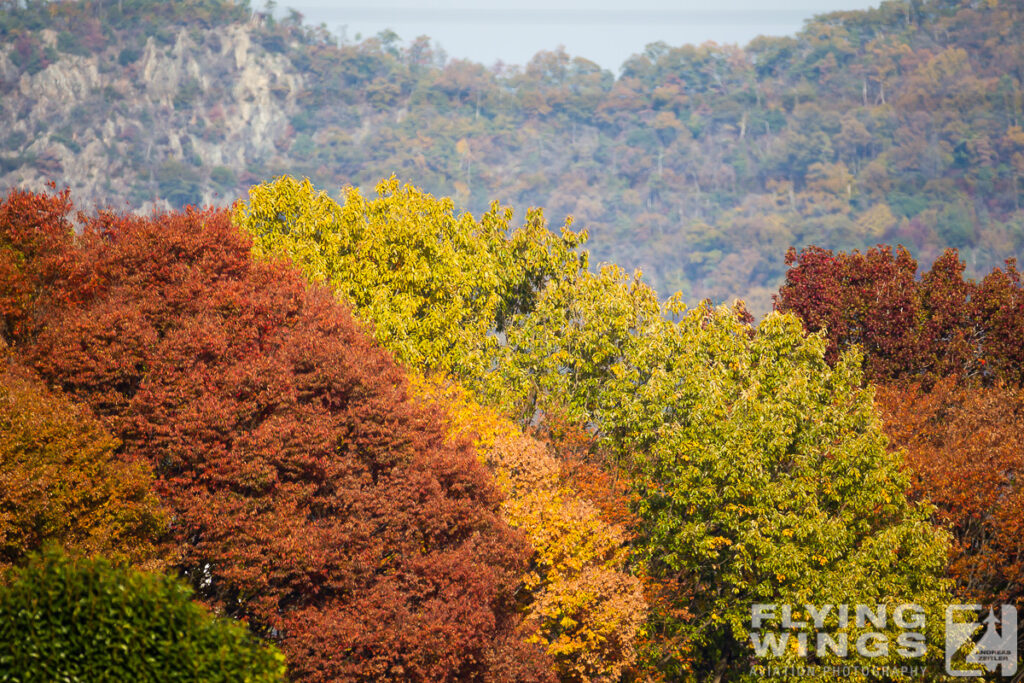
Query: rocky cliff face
[186, 112]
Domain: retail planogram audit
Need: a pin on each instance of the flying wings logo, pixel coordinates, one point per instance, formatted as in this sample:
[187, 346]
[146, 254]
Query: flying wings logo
[976, 644]
[996, 647]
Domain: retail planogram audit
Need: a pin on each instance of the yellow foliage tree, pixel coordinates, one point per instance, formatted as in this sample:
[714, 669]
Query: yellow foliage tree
[587, 608]
[436, 286]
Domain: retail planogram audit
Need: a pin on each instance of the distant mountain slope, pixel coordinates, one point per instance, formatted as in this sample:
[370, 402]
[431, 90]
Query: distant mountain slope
[164, 113]
[699, 164]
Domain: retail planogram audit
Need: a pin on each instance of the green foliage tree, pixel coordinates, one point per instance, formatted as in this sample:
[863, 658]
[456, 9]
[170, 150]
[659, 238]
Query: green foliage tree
[179, 183]
[73, 619]
[761, 471]
[572, 342]
[768, 481]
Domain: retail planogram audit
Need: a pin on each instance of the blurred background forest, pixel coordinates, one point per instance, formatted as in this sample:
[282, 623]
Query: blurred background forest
[699, 165]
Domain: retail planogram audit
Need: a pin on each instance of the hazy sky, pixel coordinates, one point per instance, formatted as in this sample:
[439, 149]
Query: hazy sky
[604, 31]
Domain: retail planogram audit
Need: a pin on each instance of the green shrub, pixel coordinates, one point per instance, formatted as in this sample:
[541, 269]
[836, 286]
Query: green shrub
[71, 44]
[189, 92]
[179, 183]
[223, 177]
[75, 619]
[129, 55]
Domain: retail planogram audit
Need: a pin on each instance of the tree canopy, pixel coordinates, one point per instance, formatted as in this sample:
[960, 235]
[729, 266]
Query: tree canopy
[910, 327]
[435, 285]
[309, 493]
[759, 471]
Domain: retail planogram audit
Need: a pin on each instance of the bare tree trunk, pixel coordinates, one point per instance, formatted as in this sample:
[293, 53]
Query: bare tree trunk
[720, 670]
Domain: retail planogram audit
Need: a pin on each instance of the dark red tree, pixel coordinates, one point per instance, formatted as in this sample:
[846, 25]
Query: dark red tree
[939, 325]
[310, 495]
[997, 311]
[36, 255]
[866, 299]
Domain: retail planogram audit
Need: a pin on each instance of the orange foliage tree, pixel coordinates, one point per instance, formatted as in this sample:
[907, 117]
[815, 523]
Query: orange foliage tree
[62, 481]
[963, 447]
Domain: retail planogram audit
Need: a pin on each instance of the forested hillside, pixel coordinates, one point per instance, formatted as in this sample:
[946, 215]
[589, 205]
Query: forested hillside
[700, 164]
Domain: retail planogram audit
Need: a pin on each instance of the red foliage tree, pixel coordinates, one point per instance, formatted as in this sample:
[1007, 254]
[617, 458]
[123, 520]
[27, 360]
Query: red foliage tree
[865, 299]
[927, 328]
[36, 255]
[997, 311]
[309, 494]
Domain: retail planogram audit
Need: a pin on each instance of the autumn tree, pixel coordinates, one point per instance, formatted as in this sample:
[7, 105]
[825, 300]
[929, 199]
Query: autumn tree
[864, 299]
[962, 448]
[435, 285]
[36, 246]
[310, 494]
[997, 311]
[926, 327]
[586, 606]
[63, 481]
